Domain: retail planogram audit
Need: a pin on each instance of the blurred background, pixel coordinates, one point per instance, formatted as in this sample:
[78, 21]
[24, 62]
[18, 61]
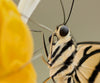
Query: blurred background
[84, 24]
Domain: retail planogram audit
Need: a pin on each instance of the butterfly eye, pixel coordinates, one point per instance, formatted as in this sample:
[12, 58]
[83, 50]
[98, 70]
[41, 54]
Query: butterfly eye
[64, 31]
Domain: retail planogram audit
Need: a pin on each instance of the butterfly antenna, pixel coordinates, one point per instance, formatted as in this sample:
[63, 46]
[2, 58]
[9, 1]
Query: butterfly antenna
[63, 10]
[69, 13]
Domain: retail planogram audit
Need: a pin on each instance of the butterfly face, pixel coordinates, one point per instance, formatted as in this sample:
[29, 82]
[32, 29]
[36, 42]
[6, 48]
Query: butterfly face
[61, 32]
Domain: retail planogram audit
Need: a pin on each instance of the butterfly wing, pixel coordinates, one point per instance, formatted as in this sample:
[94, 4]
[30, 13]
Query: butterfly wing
[87, 62]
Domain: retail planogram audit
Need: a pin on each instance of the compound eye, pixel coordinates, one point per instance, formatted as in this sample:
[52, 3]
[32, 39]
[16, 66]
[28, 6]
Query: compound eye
[64, 31]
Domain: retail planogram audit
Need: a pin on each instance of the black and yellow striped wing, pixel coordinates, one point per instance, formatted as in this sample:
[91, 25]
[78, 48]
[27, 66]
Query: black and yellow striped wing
[87, 62]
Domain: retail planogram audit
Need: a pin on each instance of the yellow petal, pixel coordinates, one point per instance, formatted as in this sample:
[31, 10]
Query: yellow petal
[16, 46]
[24, 75]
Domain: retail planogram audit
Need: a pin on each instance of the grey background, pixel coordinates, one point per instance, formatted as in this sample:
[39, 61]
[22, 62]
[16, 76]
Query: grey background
[84, 25]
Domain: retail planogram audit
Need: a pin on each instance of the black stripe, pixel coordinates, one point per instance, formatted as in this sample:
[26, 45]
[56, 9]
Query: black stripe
[53, 80]
[69, 80]
[67, 62]
[70, 73]
[85, 51]
[77, 78]
[63, 50]
[86, 56]
[91, 42]
[54, 53]
[95, 73]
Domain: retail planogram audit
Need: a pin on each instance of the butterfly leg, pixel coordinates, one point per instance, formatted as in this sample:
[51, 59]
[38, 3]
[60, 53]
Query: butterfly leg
[45, 81]
[45, 61]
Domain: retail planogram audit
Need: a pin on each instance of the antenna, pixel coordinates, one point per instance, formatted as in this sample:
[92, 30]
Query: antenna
[63, 10]
[69, 13]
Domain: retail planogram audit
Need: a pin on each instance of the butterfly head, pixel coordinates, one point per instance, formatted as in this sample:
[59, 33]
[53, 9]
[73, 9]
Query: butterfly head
[61, 32]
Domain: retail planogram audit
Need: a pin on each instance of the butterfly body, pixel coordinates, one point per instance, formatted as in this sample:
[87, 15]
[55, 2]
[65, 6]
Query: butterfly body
[71, 62]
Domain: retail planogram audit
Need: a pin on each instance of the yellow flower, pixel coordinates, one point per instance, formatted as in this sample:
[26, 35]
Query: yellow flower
[16, 46]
